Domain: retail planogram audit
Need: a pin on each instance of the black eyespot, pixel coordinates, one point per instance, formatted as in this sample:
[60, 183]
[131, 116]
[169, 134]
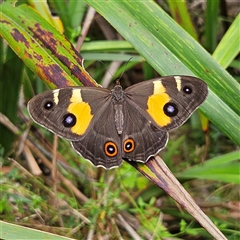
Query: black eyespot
[187, 90]
[170, 109]
[110, 149]
[69, 120]
[129, 145]
[48, 105]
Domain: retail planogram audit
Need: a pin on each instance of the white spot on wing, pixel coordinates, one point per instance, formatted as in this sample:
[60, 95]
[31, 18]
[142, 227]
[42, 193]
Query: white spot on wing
[179, 82]
[55, 95]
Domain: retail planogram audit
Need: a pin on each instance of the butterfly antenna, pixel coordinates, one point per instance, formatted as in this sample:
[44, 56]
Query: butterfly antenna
[108, 76]
[118, 80]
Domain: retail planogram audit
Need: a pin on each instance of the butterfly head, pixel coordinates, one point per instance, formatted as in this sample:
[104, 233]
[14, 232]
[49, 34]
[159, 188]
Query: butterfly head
[117, 92]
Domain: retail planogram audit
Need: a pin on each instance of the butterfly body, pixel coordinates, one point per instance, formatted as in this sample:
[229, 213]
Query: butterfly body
[106, 126]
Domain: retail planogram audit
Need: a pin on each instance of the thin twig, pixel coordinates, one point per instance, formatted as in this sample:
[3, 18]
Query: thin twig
[128, 228]
[86, 25]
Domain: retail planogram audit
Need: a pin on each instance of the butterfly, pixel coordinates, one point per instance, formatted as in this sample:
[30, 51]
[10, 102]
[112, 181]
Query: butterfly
[106, 126]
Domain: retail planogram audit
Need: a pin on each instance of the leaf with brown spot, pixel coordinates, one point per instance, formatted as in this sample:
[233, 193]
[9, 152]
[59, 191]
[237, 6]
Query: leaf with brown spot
[42, 48]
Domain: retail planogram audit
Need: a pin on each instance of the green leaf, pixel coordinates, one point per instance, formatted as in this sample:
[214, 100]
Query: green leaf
[180, 13]
[211, 23]
[111, 57]
[13, 231]
[96, 46]
[42, 8]
[42, 48]
[10, 84]
[225, 53]
[71, 14]
[171, 51]
[224, 168]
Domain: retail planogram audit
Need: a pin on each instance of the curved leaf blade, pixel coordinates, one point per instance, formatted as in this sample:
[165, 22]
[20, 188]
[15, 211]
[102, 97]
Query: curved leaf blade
[225, 53]
[43, 49]
[226, 165]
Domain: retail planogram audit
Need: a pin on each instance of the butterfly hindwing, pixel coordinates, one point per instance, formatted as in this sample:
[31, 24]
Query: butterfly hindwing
[102, 144]
[141, 136]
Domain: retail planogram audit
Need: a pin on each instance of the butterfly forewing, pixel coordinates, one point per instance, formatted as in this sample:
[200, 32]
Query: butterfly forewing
[169, 101]
[68, 112]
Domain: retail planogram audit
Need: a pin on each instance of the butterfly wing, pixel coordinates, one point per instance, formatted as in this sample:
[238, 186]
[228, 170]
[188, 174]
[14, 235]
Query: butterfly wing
[154, 107]
[87, 117]
[83, 115]
[102, 144]
[169, 101]
[68, 112]
[141, 138]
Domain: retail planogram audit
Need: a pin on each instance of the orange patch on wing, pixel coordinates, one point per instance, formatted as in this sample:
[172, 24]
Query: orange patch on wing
[156, 103]
[82, 112]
